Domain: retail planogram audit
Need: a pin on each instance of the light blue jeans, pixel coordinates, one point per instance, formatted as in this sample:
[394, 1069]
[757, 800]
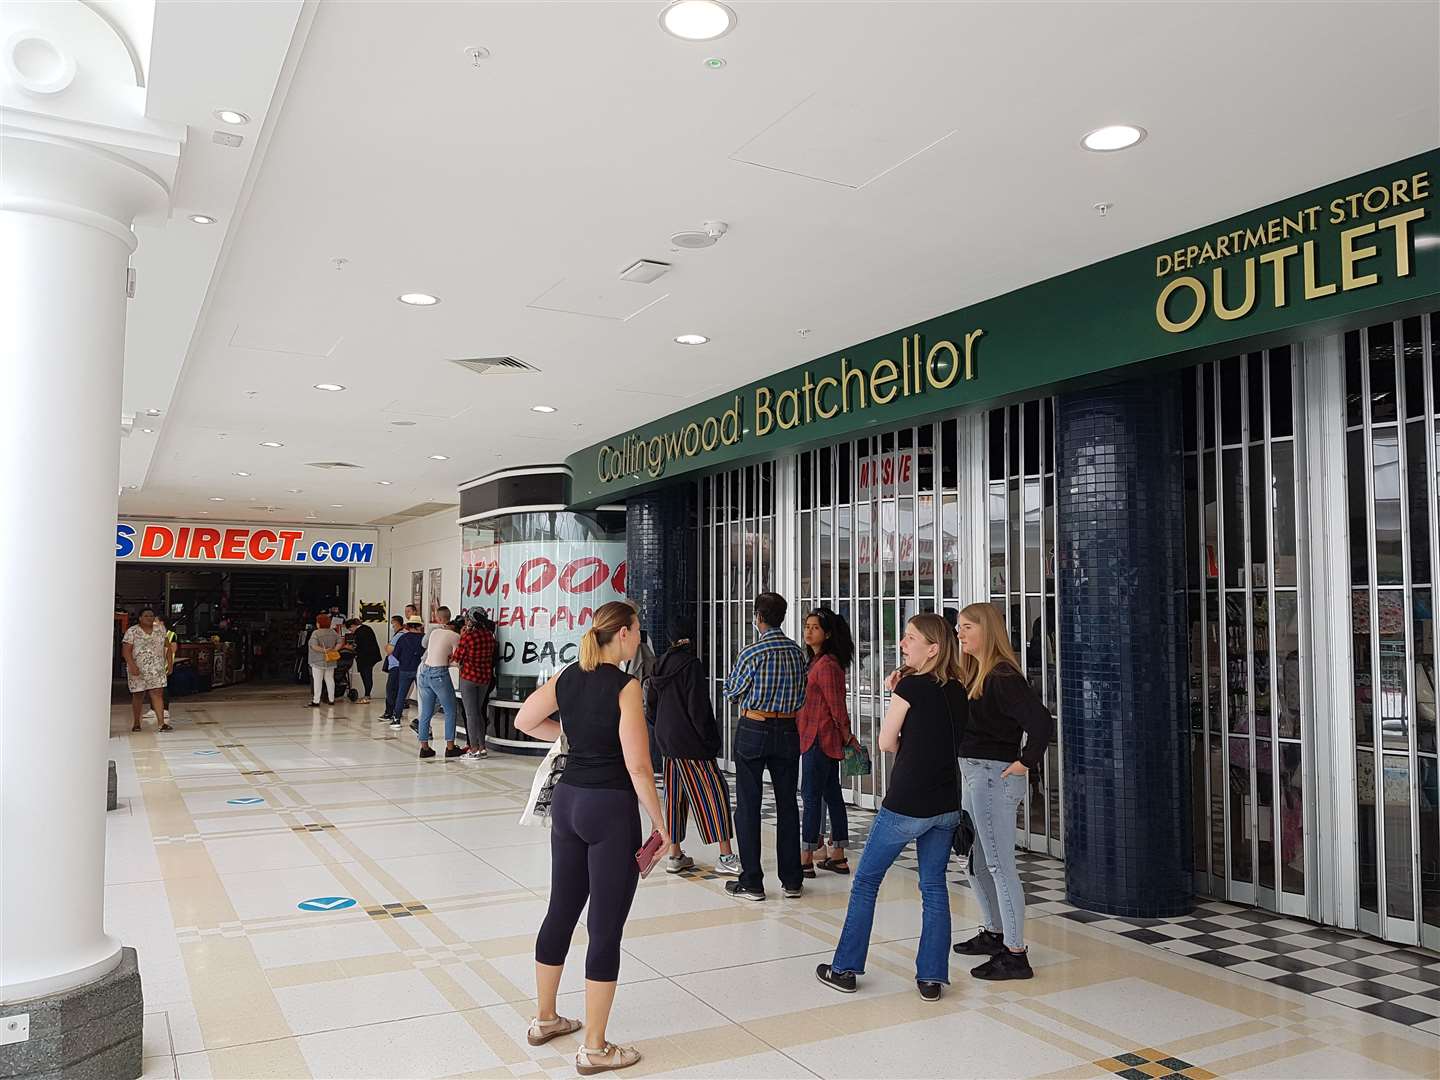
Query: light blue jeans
[891, 834]
[992, 804]
[437, 689]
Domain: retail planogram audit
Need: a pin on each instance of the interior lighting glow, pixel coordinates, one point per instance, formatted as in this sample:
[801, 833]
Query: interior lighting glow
[231, 116]
[332, 387]
[542, 408]
[439, 457]
[691, 339]
[272, 445]
[697, 20]
[1112, 137]
[418, 299]
[202, 219]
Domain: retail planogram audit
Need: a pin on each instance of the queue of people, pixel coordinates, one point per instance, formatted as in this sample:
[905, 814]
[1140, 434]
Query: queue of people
[963, 723]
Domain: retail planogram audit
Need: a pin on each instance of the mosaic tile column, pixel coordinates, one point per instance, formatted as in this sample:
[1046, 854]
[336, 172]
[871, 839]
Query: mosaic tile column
[1122, 649]
[660, 550]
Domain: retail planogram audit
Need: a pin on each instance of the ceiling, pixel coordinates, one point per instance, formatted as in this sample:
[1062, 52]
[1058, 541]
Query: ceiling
[877, 164]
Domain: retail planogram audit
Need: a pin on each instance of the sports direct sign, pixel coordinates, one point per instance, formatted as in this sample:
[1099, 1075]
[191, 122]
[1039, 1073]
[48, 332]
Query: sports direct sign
[256, 545]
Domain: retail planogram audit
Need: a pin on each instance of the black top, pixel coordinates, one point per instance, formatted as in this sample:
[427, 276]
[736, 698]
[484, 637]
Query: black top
[678, 704]
[923, 779]
[1007, 709]
[589, 704]
[367, 649]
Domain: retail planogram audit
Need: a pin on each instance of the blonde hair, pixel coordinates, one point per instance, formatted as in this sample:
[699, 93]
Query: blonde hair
[975, 669]
[937, 631]
[606, 623]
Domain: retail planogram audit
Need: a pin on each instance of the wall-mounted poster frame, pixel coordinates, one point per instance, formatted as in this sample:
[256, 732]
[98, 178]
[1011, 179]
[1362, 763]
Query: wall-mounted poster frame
[417, 589]
[435, 579]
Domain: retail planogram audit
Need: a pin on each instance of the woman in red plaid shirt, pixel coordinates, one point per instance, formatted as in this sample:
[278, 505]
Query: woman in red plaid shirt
[824, 724]
[475, 656]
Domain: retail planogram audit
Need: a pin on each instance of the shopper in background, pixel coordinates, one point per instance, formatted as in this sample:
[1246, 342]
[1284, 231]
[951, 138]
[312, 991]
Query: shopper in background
[921, 728]
[148, 658]
[367, 655]
[824, 724]
[768, 681]
[436, 689]
[1007, 730]
[324, 647]
[475, 656]
[595, 831]
[392, 681]
[406, 652]
[682, 718]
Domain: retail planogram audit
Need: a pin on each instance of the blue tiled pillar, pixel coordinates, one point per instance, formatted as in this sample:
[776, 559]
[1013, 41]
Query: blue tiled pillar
[660, 550]
[1122, 649]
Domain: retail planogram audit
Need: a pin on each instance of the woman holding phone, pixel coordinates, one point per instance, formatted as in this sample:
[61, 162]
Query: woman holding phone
[595, 826]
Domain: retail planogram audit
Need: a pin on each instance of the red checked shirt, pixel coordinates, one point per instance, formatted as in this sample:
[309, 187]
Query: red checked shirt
[476, 655]
[823, 718]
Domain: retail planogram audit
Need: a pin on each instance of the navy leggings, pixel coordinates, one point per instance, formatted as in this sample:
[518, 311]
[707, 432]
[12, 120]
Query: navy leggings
[594, 835]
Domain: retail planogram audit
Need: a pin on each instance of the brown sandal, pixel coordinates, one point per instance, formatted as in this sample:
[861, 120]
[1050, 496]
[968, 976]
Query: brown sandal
[588, 1062]
[835, 866]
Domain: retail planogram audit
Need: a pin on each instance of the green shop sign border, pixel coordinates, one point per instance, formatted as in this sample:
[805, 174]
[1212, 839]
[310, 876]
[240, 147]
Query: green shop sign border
[1298, 268]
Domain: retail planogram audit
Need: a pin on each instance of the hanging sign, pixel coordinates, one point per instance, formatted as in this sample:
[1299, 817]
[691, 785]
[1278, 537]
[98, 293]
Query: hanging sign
[280, 545]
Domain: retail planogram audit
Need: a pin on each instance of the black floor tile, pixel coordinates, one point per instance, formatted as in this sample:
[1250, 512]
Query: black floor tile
[1218, 958]
[1289, 963]
[1399, 1013]
[1145, 936]
[1377, 990]
[1359, 970]
[1300, 982]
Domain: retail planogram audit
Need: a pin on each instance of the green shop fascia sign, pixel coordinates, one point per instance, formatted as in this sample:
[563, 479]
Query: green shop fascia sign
[1369, 245]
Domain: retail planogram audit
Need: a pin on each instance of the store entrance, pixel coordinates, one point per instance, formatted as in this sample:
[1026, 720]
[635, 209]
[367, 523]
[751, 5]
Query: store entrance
[231, 625]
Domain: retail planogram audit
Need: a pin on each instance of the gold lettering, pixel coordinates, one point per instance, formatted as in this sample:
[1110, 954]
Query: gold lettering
[846, 374]
[820, 399]
[1350, 255]
[904, 366]
[970, 339]
[807, 389]
[939, 347]
[1163, 264]
[1162, 316]
[731, 419]
[1277, 259]
[877, 380]
[793, 397]
[1218, 289]
[1381, 203]
[1207, 253]
[1314, 290]
[1222, 247]
[655, 456]
[1337, 211]
[1191, 253]
[1296, 225]
[709, 434]
[692, 446]
[1254, 238]
[1420, 185]
[764, 415]
[1401, 224]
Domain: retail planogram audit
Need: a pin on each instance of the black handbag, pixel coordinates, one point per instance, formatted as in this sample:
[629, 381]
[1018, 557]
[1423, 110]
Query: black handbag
[962, 840]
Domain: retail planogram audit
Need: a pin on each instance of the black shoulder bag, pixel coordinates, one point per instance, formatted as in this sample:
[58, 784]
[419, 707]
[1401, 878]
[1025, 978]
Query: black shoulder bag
[962, 840]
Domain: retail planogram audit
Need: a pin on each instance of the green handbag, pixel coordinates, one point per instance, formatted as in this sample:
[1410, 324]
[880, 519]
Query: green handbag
[856, 762]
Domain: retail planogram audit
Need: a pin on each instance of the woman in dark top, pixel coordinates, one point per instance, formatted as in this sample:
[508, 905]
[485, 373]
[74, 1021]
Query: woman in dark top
[595, 826]
[824, 724]
[1007, 729]
[367, 655]
[921, 727]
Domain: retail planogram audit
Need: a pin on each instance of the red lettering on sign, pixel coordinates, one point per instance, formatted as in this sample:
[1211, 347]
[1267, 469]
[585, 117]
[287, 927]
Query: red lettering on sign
[905, 469]
[618, 581]
[234, 546]
[204, 543]
[563, 613]
[267, 552]
[598, 569]
[527, 580]
[156, 542]
[289, 539]
[182, 537]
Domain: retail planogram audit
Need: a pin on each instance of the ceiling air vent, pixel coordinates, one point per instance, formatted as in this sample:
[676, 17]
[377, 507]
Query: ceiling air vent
[419, 510]
[494, 365]
[333, 465]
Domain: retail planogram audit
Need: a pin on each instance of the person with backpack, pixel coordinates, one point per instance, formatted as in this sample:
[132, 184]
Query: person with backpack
[682, 717]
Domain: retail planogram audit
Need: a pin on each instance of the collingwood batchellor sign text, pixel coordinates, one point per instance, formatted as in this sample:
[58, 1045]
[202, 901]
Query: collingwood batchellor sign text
[1293, 270]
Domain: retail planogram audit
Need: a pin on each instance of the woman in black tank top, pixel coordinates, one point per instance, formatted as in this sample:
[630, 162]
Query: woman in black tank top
[595, 826]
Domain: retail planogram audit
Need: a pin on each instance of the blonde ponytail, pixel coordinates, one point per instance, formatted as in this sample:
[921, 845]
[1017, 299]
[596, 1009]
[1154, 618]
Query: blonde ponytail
[589, 651]
[606, 623]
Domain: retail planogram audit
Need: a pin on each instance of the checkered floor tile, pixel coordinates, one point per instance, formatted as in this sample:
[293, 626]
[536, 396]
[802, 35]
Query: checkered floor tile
[1151, 1064]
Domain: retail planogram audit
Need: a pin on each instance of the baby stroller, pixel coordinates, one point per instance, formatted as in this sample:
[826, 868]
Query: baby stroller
[343, 667]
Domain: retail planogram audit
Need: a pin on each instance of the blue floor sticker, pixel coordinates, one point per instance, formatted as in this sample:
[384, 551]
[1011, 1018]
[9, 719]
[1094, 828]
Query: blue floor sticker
[326, 903]
[249, 800]
[206, 753]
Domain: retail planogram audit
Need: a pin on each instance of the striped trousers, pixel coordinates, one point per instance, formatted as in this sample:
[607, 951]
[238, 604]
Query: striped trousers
[698, 788]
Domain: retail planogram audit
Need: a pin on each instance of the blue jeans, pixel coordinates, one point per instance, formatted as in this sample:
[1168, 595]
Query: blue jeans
[820, 788]
[437, 689]
[992, 803]
[891, 834]
[399, 685]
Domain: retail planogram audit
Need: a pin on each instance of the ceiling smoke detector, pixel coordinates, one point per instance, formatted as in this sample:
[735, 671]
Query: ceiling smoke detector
[693, 239]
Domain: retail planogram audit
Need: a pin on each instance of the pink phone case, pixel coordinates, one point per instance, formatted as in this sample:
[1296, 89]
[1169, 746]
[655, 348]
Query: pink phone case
[648, 855]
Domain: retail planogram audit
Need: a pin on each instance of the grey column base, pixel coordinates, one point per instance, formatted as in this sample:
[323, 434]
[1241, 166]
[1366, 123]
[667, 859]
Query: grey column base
[111, 801]
[92, 1032]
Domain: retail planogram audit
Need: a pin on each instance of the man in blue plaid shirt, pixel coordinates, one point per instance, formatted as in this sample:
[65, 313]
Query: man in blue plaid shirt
[768, 681]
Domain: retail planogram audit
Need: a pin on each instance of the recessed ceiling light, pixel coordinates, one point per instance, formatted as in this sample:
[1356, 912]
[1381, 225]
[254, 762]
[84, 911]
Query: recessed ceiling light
[402, 423]
[715, 63]
[697, 20]
[332, 387]
[418, 299]
[230, 116]
[242, 474]
[337, 506]
[152, 412]
[439, 457]
[542, 408]
[293, 491]
[148, 430]
[691, 339]
[216, 498]
[384, 483]
[202, 219]
[1112, 137]
[272, 445]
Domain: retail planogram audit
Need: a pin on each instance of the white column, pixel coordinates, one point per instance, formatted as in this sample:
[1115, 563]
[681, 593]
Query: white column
[66, 206]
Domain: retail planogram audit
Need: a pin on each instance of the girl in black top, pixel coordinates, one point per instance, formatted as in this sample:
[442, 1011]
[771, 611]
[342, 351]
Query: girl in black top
[1007, 729]
[595, 826]
[921, 728]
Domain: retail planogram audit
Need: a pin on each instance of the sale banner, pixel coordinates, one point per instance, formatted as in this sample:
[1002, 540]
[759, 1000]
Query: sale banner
[542, 596]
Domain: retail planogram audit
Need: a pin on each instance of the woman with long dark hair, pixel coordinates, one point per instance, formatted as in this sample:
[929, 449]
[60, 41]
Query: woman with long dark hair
[595, 826]
[1007, 729]
[824, 724]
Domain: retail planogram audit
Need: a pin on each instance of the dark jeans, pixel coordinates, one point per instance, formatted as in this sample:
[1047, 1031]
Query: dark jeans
[392, 684]
[473, 696]
[773, 745]
[819, 789]
[366, 668]
[403, 681]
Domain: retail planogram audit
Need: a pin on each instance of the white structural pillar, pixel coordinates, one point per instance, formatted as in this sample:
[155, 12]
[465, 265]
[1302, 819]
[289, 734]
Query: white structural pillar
[69, 190]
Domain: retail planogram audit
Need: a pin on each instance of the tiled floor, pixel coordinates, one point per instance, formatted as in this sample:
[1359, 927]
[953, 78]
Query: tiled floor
[256, 964]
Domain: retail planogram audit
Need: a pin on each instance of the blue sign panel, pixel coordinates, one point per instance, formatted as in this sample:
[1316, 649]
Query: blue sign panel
[326, 903]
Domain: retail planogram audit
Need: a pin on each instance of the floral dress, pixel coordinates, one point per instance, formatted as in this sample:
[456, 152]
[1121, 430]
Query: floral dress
[149, 652]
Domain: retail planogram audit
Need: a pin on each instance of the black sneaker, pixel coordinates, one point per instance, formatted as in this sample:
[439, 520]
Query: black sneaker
[739, 892]
[982, 944]
[793, 892]
[415, 726]
[386, 717]
[845, 982]
[807, 871]
[930, 991]
[1005, 965]
[454, 751]
[426, 751]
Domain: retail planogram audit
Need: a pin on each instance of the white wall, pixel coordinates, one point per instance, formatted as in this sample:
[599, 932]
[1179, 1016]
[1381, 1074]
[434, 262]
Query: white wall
[425, 544]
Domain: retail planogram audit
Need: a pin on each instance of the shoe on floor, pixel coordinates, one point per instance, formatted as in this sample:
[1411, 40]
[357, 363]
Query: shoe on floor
[675, 864]
[477, 752]
[930, 991]
[427, 751]
[135, 728]
[394, 725]
[1005, 965]
[314, 704]
[728, 864]
[739, 892]
[982, 944]
[588, 1062]
[166, 727]
[385, 716]
[793, 892]
[415, 726]
[542, 1031]
[835, 866]
[807, 870]
[454, 751]
[845, 982]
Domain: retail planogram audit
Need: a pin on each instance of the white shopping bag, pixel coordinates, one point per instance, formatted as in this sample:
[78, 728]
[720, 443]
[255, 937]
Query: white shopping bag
[542, 790]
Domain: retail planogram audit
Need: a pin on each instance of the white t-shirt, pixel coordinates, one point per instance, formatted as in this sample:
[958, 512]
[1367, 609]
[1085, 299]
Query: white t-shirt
[440, 647]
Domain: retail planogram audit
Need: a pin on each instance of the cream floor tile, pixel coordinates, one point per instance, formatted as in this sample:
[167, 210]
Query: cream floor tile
[277, 1059]
[425, 1046]
[772, 1066]
[708, 948]
[486, 920]
[649, 1010]
[164, 982]
[155, 1035]
[431, 877]
[425, 778]
[487, 832]
[529, 864]
[398, 839]
[1142, 1011]
[273, 851]
[158, 1068]
[519, 968]
[320, 942]
[214, 800]
[357, 1001]
[479, 803]
[185, 1033]
[266, 893]
[1329, 1063]
[265, 820]
[661, 894]
[193, 1067]
[779, 987]
[372, 813]
[340, 790]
